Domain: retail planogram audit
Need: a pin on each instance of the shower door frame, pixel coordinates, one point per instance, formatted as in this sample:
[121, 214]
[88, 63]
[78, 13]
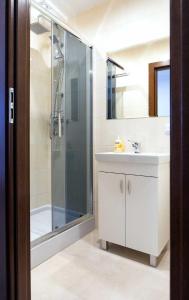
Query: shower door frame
[20, 231]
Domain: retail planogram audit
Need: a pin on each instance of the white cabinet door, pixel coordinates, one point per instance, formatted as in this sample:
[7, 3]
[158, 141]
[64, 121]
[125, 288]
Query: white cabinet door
[111, 204]
[141, 213]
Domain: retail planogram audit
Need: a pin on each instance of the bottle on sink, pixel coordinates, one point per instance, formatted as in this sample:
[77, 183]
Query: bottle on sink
[119, 145]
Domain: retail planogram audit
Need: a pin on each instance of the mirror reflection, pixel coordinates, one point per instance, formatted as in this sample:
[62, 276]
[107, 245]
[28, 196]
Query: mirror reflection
[129, 87]
[159, 89]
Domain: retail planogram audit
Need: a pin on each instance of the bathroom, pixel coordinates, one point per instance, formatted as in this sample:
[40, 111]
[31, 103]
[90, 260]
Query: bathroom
[99, 149]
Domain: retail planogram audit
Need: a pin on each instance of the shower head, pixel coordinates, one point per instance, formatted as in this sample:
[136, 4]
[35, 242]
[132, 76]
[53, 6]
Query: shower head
[39, 28]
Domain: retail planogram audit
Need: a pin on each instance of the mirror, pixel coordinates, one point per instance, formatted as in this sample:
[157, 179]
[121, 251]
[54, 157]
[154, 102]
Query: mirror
[128, 87]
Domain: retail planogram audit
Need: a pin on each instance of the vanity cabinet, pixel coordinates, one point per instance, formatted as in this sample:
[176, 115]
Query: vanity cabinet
[133, 209]
[111, 207]
[141, 213]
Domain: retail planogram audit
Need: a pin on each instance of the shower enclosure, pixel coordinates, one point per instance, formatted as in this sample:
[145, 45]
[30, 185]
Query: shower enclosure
[60, 128]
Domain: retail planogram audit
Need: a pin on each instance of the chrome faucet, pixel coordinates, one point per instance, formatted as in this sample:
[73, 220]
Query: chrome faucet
[136, 146]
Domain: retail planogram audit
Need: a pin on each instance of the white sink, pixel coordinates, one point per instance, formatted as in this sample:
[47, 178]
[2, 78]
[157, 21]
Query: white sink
[143, 157]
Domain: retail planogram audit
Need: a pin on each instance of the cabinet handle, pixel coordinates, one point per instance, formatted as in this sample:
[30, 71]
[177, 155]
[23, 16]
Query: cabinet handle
[121, 186]
[129, 187]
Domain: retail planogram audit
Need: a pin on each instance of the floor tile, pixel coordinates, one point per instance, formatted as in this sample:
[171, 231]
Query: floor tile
[85, 272]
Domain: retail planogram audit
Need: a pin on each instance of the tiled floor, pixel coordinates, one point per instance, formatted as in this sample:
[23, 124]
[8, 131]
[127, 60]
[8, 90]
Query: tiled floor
[85, 272]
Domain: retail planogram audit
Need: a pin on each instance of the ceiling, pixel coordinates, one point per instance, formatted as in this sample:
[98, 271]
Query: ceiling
[121, 24]
[112, 25]
[72, 8]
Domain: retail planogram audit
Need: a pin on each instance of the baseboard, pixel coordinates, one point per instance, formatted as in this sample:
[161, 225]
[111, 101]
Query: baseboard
[49, 248]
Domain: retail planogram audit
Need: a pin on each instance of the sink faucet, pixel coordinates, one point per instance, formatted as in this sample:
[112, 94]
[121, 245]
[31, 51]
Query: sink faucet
[136, 146]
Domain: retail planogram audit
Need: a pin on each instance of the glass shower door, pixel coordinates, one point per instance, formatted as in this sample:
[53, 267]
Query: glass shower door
[72, 133]
[78, 127]
[60, 128]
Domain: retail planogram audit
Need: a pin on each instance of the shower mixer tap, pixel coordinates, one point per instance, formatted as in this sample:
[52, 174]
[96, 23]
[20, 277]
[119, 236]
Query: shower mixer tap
[59, 126]
[56, 125]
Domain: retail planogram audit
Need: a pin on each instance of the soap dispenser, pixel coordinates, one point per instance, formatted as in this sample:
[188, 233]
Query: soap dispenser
[119, 145]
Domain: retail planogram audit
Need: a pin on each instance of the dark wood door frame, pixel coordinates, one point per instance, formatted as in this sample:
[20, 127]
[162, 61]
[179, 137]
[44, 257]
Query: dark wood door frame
[7, 232]
[14, 155]
[179, 150]
[179, 153]
[22, 155]
[3, 134]
[10, 150]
